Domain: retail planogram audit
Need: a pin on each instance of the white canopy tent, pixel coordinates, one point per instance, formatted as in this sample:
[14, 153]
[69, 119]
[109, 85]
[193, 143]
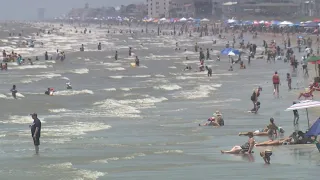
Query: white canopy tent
[304, 105]
[183, 19]
[205, 20]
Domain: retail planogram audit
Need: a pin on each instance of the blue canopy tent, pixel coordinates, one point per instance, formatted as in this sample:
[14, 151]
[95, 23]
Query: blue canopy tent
[315, 131]
[226, 51]
[312, 24]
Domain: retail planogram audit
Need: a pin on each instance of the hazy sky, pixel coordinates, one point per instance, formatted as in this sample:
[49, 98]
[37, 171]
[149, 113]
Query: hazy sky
[27, 9]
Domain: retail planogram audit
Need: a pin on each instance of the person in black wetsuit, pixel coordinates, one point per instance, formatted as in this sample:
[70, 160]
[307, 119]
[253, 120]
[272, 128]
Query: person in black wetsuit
[137, 61]
[209, 71]
[14, 91]
[47, 92]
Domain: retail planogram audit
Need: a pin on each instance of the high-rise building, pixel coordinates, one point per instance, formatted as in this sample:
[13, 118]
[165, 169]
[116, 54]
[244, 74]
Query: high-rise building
[158, 8]
[41, 12]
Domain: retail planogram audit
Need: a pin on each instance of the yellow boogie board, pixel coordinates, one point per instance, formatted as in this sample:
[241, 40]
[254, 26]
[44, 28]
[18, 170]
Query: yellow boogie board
[133, 64]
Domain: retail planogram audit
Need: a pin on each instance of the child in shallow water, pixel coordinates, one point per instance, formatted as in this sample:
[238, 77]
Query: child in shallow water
[266, 155]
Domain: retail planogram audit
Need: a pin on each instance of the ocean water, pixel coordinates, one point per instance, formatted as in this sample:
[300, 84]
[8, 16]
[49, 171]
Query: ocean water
[120, 122]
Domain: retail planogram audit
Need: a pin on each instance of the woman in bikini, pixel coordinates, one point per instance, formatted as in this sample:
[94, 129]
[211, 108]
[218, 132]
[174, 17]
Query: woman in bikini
[279, 142]
[308, 94]
[246, 148]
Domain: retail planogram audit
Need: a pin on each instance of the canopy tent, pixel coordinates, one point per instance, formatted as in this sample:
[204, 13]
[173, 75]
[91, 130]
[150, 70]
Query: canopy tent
[226, 51]
[231, 53]
[304, 105]
[190, 19]
[205, 20]
[315, 129]
[183, 19]
[285, 23]
[314, 60]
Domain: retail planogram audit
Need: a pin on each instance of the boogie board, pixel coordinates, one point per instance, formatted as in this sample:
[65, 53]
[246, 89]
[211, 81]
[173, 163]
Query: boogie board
[133, 64]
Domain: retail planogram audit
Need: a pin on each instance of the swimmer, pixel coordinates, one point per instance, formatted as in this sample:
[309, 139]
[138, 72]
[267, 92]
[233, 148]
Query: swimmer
[69, 85]
[187, 68]
[230, 69]
[14, 92]
[49, 92]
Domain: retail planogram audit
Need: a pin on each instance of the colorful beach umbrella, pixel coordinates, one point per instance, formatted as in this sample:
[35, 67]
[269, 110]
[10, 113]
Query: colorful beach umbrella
[304, 105]
[314, 60]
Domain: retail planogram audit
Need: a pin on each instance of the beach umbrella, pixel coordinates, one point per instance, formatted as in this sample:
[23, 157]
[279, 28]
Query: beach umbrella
[314, 129]
[304, 105]
[314, 60]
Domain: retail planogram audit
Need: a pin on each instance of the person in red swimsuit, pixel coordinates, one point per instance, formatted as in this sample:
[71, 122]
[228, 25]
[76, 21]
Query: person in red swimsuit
[276, 82]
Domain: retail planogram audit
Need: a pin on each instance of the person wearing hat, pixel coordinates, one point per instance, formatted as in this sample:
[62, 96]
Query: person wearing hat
[219, 118]
[35, 131]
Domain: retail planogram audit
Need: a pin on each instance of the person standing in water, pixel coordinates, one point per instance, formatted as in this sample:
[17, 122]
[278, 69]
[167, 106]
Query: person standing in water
[14, 92]
[35, 131]
[116, 56]
[130, 51]
[137, 61]
[254, 97]
[276, 82]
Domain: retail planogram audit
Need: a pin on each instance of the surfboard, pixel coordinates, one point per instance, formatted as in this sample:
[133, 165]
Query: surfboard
[133, 64]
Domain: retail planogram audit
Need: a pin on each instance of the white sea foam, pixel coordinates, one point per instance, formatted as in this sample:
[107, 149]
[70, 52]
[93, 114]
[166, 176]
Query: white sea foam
[126, 108]
[72, 92]
[159, 75]
[201, 91]
[82, 173]
[112, 64]
[169, 87]
[19, 120]
[80, 71]
[110, 89]
[169, 152]
[38, 77]
[58, 110]
[73, 129]
[29, 67]
[116, 69]
[125, 89]
[172, 67]
[116, 77]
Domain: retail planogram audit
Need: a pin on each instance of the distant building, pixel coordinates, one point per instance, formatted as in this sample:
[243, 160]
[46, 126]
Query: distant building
[203, 8]
[264, 8]
[182, 8]
[158, 8]
[41, 12]
[134, 10]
